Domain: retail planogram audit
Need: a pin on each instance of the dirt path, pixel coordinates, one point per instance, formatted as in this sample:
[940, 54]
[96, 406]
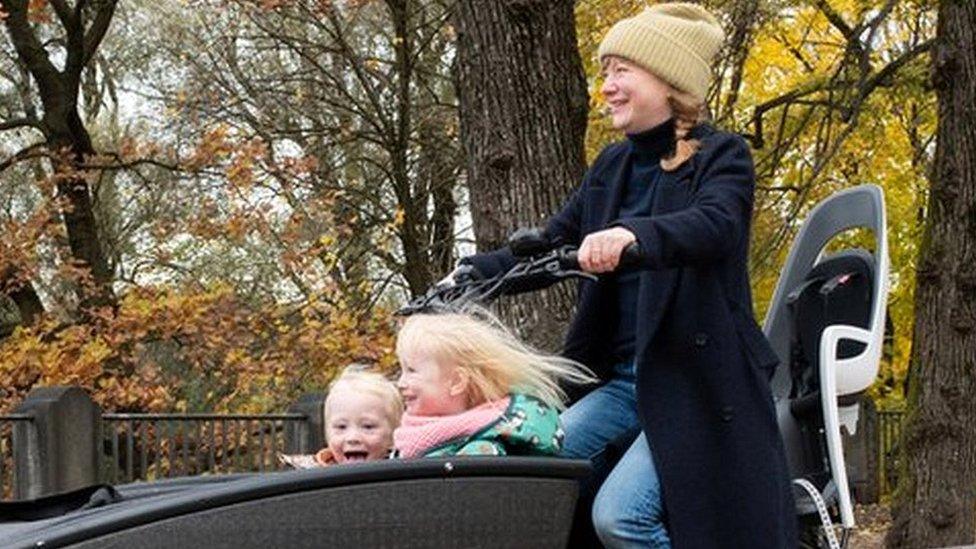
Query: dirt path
[872, 524]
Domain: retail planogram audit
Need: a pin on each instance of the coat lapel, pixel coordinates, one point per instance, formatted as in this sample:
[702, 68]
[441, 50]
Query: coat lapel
[670, 194]
[616, 189]
[673, 189]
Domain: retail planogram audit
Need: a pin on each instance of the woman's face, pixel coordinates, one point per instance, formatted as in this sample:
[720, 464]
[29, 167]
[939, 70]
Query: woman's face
[638, 100]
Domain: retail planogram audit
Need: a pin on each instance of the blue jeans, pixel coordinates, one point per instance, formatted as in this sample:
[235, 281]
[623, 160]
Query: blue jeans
[628, 510]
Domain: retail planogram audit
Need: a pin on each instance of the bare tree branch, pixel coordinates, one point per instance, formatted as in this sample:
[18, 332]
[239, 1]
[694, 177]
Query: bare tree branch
[95, 33]
[889, 70]
[37, 150]
[25, 122]
[836, 20]
[29, 48]
[125, 164]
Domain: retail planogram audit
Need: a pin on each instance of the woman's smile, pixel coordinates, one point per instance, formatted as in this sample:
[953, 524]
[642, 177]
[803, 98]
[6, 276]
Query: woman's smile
[637, 99]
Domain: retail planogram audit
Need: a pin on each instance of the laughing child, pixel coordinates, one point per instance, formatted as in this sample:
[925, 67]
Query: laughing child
[472, 388]
[361, 412]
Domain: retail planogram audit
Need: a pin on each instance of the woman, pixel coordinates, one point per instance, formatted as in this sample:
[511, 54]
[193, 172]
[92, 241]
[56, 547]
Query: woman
[676, 341]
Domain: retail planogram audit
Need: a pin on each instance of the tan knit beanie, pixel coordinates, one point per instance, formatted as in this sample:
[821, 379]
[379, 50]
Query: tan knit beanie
[675, 41]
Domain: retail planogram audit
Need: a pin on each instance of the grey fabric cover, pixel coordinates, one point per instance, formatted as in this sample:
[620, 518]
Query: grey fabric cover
[456, 502]
[480, 512]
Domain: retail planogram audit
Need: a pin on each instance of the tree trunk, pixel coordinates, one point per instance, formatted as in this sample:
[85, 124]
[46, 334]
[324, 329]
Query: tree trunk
[936, 497]
[523, 106]
[79, 218]
[65, 133]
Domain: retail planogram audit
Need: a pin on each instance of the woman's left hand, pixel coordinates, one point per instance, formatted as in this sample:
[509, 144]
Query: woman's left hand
[600, 251]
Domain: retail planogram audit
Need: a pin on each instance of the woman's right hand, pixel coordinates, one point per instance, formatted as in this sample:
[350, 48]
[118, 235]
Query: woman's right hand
[600, 251]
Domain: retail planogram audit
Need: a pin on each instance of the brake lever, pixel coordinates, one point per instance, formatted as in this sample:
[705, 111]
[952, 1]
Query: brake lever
[573, 273]
[476, 290]
[439, 297]
[555, 269]
[553, 266]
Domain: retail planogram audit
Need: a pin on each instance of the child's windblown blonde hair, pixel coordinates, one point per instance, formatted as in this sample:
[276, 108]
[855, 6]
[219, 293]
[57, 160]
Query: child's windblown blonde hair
[358, 379]
[495, 361]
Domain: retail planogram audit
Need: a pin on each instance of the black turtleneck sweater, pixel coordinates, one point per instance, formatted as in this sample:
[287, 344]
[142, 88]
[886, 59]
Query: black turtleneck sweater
[646, 150]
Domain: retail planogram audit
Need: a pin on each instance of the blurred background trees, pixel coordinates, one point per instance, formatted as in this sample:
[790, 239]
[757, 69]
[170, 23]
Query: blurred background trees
[213, 204]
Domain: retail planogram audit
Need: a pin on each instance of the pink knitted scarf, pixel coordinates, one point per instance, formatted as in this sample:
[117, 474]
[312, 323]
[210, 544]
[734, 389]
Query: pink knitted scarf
[419, 433]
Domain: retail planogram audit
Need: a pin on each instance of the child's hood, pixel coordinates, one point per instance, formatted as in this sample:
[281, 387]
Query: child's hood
[528, 426]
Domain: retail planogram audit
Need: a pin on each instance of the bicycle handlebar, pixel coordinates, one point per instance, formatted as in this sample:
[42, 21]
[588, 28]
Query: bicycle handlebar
[559, 263]
[630, 257]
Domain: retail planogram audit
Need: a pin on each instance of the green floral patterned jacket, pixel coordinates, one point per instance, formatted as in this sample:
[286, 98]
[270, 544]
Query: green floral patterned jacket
[528, 427]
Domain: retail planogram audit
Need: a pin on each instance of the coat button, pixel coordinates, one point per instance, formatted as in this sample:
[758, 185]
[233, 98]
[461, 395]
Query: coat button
[701, 339]
[727, 413]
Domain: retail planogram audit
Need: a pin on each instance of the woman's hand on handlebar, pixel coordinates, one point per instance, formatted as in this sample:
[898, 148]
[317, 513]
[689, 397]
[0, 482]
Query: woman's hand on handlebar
[600, 251]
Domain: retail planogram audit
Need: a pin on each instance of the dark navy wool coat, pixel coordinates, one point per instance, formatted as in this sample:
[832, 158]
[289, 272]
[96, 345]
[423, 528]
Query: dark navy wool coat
[703, 364]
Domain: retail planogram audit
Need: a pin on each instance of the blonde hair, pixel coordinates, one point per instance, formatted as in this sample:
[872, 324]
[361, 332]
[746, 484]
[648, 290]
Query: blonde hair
[496, 362]
[689, 111]
[372, 383]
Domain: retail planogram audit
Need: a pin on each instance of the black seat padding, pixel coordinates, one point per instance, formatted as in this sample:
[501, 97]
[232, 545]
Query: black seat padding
[838, 290]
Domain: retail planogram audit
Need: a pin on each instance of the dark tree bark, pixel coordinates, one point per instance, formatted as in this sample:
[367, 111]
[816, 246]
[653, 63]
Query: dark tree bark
[415, 268]
[28, 303]
[936, 497]
[23, 295]
[523, 106]
[437, 176]
[66, 137]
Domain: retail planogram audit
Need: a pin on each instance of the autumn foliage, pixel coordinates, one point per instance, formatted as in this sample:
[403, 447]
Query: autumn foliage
[270, 178]
[197, 343]
[205, 349]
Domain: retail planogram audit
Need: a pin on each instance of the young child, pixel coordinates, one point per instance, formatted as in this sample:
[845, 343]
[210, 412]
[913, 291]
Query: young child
[361, 411]
[471, 388]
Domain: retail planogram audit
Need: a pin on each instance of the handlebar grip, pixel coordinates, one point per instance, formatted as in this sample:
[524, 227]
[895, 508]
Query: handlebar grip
[569, 260]
[630, 257]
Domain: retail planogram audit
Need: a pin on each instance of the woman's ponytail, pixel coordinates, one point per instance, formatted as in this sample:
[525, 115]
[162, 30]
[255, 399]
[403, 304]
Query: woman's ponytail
[688, 111]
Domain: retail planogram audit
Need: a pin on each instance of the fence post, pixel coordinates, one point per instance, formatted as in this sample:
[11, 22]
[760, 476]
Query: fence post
[305, 437]
[58, 450]
[861, 453]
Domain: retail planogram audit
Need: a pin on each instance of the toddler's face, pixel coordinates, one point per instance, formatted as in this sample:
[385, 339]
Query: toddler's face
[426, 386]
[358, 428]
